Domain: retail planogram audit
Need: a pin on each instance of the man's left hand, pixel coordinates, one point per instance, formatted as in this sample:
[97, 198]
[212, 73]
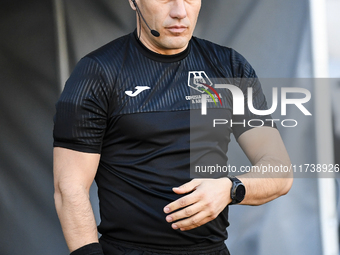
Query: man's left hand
[207, 199]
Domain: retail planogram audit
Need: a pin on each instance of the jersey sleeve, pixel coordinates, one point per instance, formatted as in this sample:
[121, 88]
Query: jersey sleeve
[81, 111]
[246, 77]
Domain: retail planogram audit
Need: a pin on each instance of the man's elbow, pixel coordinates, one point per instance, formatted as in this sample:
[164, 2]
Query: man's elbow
[287, 183]
[58, 200]
[69, 194]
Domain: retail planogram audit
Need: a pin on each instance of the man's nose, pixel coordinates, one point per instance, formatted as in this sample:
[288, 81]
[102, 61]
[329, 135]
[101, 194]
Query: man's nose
[178, 10]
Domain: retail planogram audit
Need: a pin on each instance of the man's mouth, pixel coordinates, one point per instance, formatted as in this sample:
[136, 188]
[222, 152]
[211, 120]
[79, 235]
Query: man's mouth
[176, 29]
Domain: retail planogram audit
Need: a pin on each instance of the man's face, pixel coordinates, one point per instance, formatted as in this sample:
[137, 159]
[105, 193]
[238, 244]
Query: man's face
[175, 20]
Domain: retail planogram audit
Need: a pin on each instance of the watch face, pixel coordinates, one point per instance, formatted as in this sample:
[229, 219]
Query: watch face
[240, 192]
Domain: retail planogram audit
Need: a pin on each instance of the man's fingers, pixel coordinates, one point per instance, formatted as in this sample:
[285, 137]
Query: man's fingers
[194, 221]
[185, 212]
[187, 187]
[182, 202]
[186, 200]
[207, 199]
[205, 220]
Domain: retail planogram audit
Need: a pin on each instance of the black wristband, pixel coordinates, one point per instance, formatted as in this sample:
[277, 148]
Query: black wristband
[89, 249]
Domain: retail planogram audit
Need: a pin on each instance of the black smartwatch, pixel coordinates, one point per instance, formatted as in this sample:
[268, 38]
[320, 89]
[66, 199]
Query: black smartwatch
[237, 192]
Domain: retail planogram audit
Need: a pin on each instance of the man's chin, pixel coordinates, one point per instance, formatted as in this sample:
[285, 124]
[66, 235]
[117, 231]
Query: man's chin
[176, 43]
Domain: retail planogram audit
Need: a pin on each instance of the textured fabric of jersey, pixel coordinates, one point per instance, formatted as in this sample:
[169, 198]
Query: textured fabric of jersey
[131, 105]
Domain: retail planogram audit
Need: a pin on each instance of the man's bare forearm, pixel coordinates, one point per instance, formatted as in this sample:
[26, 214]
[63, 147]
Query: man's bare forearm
[73, 175]
[76, 217]
[264, 187]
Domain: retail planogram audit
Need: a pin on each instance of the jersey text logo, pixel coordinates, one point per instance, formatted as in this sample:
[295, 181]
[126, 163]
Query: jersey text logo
[139, 89]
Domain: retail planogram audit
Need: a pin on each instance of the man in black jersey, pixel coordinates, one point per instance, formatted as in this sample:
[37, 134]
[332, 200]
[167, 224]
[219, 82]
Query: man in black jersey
[123, 119]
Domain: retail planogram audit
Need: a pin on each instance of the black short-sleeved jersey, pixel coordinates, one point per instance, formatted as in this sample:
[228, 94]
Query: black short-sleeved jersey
[133, 106]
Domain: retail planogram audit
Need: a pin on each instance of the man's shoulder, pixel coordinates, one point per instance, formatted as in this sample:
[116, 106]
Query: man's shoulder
[223, 55]
[106, 60]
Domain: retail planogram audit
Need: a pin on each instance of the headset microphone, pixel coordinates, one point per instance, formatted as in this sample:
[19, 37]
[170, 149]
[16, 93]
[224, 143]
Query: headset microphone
[153, 32]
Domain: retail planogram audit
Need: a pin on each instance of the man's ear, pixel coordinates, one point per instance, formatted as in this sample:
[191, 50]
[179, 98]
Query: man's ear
[133, 7]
